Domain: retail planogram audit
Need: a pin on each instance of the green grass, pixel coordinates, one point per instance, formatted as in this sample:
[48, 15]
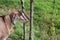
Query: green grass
[43, 10]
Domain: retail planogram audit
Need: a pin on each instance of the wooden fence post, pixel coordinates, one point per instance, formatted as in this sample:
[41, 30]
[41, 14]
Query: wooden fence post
[31, 36]
[24, 24]
[24, 29]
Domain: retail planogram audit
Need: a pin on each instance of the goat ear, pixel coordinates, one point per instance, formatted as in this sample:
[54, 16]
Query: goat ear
[20, 11]
[14, 11]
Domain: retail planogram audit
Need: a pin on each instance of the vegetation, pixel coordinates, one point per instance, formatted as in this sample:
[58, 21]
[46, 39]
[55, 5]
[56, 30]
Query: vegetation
[46, 18]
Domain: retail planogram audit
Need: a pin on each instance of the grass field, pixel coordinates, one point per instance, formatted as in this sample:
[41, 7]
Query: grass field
[43, 15]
